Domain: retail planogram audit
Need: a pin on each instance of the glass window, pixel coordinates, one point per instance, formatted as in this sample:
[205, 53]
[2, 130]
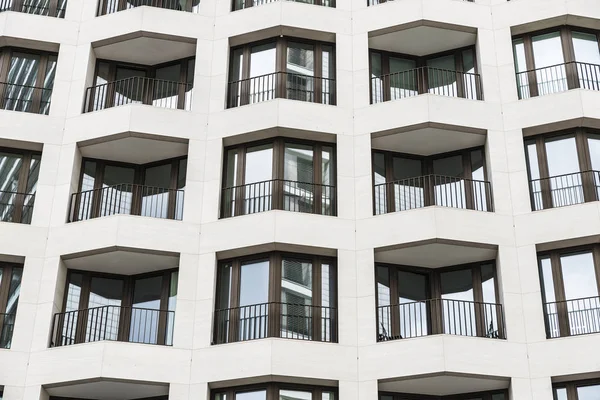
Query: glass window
[588, 392]
[586, 47]
[579, 276]
[14, 290]
[560, 394]
[298, 173]
[384, 311]
[259, 164]
[104, 309]
[300, 68]
[296, 299]
[457, 302]
[254, 298]
[449, 189]
[155, 193]
[256, 395]
[262, 60]
[441, 76]
[549, 63]
[145, 314]
[294, 395]
[403, 78]
[563, 167]
[376, 80]
[412, 296]
[117, 192]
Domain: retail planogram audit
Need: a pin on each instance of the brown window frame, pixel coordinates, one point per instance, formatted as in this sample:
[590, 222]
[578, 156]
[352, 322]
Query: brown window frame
[572, 386]
[421, 62]
[272, 389]
[281, 47]
[7, 269]
[558, 284]
[278, 174]
[583, 157]
[427, 169]
[486, 395]
[150, 71]
[275, 259]
[126, 302]
[137, 186]
[566, 38]
[6, 54]
[19, 204]
[434, 291]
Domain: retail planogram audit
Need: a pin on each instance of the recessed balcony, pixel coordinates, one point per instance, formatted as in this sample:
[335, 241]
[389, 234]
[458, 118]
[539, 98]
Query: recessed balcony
[51, 8]
[112, 6]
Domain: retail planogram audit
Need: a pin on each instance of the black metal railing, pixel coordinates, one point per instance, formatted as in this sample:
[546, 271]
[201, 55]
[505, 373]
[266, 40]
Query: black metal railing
[432, 190]
[7, 325]
[127, 198]
[242, 4]
[124, 324]
[25, 98]
[16, 207]
[278, 194]
[440, 316]
[572, 317]
[282, 320]
[112, 6]
[36, 7]
[413, 82]
[564, 190]
[558, 78]
[138, 90]
[375, 2]
[284, 85]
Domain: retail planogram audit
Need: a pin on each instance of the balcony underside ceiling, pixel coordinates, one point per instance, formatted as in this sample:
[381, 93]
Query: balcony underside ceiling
[143, 48]
[108, 389]
[444, 384]
[123, 261]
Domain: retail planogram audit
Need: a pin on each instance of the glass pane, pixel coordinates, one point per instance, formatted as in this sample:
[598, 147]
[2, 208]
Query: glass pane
[376, 79]
[298, 174]
[384, 309]
[328, 396]
[235, 76]
[258, 177]
[588, 392]
[403, 78]
[549, 298]
[48, 85]
[86, 194]
[549, 63]
[587, 56]
[300, 68]
[412, 300]
[498, 396]
[261, 86]
[328, 181]
[231, 180]
[14, 290]
[223, 303]
[189, 83]
[294, 395]
[145, 312]
[21, 81]
[470, 79]
[117, 190]
[172, 302]
[408, 183]
[328, 302]
[490, 309]
[296, 299]
[594, 146]
[449, 187]
[566, 185]
[581, 293]
[521, 67]
[257, 395]
[104, 309]
[71, 306]
[155, 193]
[130, 86]
[457, 302]
[480, 187]
[441, 76]
[560, 394]
[220, 396]
[533, 168]
[379, 179]
[327, 74]
[181, 181]
[166, 86]
[254, 297]
[10, 168]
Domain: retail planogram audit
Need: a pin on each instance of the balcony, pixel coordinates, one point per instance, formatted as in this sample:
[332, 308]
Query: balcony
[433, 190]
[112, 6]
[572, 317]
[51, 8]
[440, 316]
[117, 323]
[564, 190]
[558, 78]
[278, 194]
[139, 90]
[7, 324]
[25, 98]
[16, 207]
[279, 320]
[283, 85]
[128, 199]
[443, 82]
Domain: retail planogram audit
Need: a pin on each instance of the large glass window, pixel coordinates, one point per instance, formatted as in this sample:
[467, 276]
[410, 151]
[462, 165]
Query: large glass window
[562, 168]
[137, 309]
[578, 390]
[556, 60]
[571, 285]
[10, 288]
[19, 172]
[460, 300]
[395, 76]
[150, 190]
[275, 391]
[279, 174]
[276, 295]
[282, 68]
[403, 181]
[27, 80]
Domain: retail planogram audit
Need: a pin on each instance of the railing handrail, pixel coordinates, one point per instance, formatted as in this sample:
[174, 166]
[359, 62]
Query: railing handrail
[118, 185]
[278, 72]
[557, 65]
[139, 77]
[276, 180]
[423, 68]
[439, 299]
[566, 301]
[563, 175]
[25, 86]
[274, 302]
[114, 306]
[458, 179]
[17, 193]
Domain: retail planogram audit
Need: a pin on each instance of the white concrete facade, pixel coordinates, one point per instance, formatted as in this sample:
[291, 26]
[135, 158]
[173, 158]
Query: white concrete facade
[526, 359]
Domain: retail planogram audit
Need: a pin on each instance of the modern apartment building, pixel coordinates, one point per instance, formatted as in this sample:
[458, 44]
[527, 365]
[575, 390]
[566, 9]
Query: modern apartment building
[299, 200]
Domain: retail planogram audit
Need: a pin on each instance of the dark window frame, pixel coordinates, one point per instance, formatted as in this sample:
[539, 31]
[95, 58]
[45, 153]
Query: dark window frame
[277, 171]
[420, 62]
[434, 291]
[281, 48]
[581, 135]
[275, 259]
[27, 156]
[272, 389]
[558, 283]
[572, 386]
[126, 302]
[568, 52]
[6, 54]
[486, 395]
